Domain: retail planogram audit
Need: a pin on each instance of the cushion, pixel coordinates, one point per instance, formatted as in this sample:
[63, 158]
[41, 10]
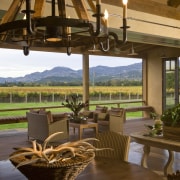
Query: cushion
[34, 111]
[48, 113]
[87, 113]
[37, 110]
[102, 109]
[102, 116]
[116, 111]
[59, 116]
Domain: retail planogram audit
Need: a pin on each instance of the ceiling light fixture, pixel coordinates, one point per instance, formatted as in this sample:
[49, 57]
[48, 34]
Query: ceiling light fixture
[57, 30]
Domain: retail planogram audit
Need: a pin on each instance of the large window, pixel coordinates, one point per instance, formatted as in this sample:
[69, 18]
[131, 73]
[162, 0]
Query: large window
[171, 82]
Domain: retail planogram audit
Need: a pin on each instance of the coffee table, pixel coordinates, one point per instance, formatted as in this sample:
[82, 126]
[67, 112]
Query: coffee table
[81, 127]
[158, 142]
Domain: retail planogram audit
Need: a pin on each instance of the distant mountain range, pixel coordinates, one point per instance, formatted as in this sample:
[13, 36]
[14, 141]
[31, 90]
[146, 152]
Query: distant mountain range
[98, 73]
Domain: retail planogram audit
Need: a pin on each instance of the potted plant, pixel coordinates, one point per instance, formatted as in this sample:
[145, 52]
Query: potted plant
[75, 105]
[171, 123]
[64, 161]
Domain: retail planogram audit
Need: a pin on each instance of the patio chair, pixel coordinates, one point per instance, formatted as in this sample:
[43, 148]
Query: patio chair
[116, 119]
[101, 116]
[174, 176]
[118, 142]
[41, 125]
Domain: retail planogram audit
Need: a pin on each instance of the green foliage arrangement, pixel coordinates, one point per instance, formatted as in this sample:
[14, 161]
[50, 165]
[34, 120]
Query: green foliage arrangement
[75, 105]
[171, 117]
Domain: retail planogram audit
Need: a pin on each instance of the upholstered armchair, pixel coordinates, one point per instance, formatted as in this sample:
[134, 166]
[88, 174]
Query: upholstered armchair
[101, 113]
[110, 120]
[116, 120]
[41, 125]
[101, 116]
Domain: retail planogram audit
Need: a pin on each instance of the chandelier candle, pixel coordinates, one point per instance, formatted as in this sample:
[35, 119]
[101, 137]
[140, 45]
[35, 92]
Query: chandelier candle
[125, 8]
[106, 15]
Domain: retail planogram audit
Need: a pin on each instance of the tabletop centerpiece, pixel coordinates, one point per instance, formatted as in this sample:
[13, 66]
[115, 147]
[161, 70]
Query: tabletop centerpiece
[64, 161]
[171, 123]
[157, 128]
[75, 105]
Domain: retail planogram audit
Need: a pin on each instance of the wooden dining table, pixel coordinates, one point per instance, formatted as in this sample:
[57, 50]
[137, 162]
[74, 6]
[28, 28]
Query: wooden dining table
[98, 169]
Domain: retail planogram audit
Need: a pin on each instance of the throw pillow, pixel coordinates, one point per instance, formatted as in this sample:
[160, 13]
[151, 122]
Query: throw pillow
[87, 113]
[102, 109]
[116, 111]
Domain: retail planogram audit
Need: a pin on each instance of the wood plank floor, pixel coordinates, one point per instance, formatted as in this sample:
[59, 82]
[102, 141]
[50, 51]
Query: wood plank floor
[157, 159]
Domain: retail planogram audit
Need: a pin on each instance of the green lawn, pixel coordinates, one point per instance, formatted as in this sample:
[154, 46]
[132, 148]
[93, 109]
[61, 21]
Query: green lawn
[24, 105]
[13, 126]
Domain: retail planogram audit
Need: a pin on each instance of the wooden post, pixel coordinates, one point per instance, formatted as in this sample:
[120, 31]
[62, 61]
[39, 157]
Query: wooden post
[52, 97]
[26, 97]
[85, 62]
[10, 97]
[40, 97]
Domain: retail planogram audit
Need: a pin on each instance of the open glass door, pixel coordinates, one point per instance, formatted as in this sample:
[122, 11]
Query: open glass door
[170, 82]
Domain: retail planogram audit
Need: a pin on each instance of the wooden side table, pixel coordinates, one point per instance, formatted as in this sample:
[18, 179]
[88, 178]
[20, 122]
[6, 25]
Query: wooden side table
[80, 127]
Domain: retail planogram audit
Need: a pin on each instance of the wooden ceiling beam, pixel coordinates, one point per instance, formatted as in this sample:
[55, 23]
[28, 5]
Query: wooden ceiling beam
[148, 6]
[13, 10]
[173, 3]
[62, 8]
[81, 9]
[39, 8]
[11, 14]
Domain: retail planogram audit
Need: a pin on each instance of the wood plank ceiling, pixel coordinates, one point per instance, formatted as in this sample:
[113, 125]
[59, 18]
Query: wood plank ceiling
[170, 10]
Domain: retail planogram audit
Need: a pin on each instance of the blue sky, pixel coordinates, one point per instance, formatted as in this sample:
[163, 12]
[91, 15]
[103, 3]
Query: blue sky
[13, 63]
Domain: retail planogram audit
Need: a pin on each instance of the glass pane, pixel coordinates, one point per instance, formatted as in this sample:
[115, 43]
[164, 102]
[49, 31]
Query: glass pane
[170, 80]
[179, 81]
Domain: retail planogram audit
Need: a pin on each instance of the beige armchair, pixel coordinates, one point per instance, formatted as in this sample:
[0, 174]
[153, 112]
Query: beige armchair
[118, 142]
[41, 125]
[110, 120]
[101, 116]
[116, 120]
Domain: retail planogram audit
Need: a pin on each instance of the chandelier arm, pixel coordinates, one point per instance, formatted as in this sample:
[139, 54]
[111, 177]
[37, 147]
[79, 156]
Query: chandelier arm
[26, 50]
[98, 16]
[115, 36]
[68, 51]
[125, 27]
[106, 49]
[69, 45]
[28, 13]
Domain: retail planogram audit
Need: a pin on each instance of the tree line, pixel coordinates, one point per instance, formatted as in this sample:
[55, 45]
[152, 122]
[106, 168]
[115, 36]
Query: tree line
[113, 82]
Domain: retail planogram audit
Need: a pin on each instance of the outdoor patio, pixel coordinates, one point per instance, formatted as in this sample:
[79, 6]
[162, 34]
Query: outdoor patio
[18, 138]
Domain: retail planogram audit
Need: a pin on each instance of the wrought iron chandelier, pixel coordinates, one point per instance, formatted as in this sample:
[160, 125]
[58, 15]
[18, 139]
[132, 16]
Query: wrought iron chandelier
[56, 30]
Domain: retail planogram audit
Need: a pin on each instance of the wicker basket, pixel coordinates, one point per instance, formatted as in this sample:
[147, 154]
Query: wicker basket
[172, 133]
[64, 170]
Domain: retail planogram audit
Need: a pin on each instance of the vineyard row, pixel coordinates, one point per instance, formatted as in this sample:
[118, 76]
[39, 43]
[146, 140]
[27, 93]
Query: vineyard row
[52, 97]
